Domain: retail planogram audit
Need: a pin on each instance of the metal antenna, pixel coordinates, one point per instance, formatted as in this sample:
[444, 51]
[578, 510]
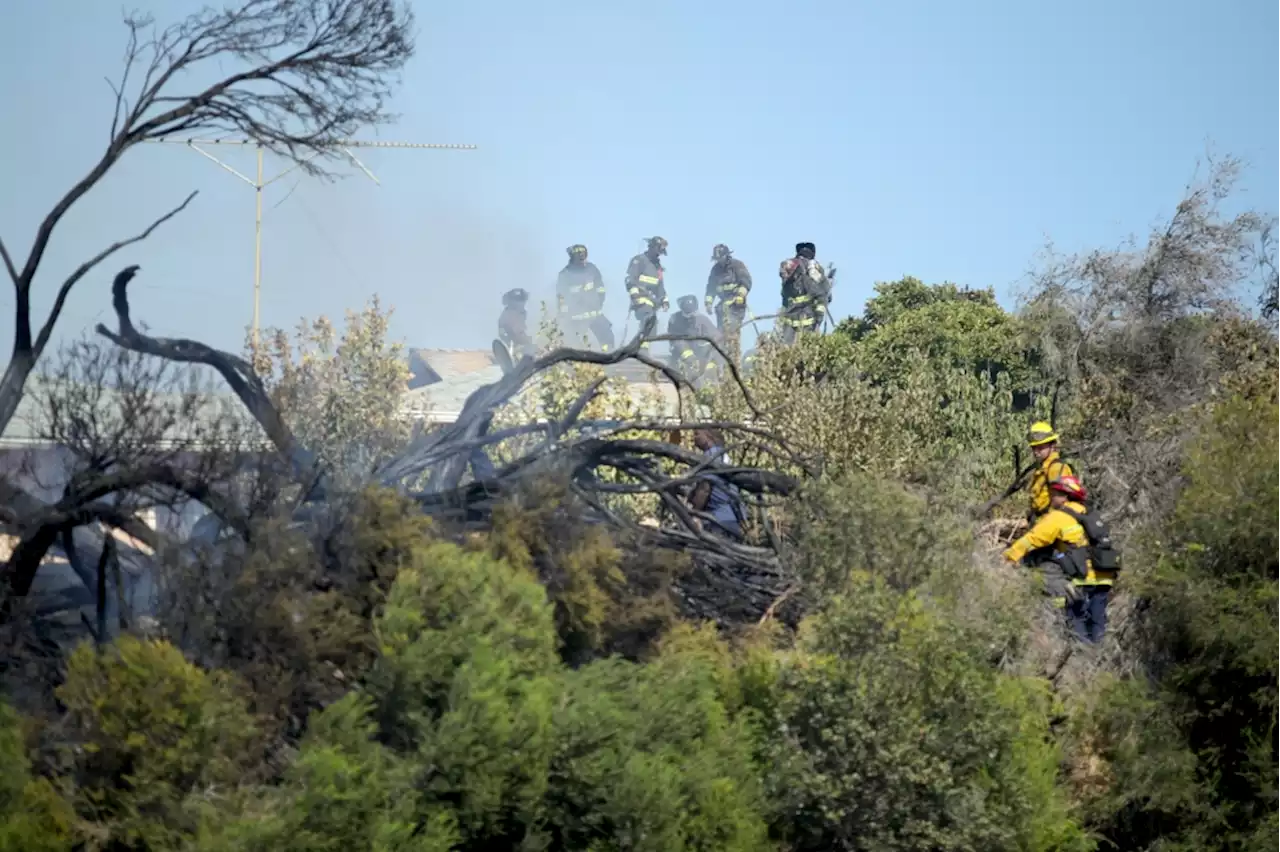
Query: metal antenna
[344, 145]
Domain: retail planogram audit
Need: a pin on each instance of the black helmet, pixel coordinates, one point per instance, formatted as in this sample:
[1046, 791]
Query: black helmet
[658, 244]
[688, 304]
[576, 250]
[517, 296]
[720, 252]
[806, 250]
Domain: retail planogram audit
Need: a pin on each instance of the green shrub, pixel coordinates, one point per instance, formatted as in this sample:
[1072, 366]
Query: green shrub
[465, 685]
[152, 737]
[891, 732]
[33, 816]
[650, 757]
[345, 791]
[1188, 759]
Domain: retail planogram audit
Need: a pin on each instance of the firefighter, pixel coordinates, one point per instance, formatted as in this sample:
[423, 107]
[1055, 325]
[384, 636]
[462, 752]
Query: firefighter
[729, 282]
[695, 359]
[645, 286]
[1074, 574]
[806, 291]
[1050, 466]
[512, 323]
[580, 298]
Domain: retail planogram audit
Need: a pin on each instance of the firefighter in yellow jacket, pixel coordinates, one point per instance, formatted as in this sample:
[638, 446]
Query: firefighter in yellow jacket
[1051, 466]
[1070, 577]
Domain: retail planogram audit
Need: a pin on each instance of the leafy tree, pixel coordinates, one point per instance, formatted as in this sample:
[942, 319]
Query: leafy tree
[344, 791]
[342, 393]
[651, 757]
[892, 731]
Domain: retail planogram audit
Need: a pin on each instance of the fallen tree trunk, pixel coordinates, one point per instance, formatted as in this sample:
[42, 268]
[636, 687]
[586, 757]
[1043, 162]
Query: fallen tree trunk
[733, 582]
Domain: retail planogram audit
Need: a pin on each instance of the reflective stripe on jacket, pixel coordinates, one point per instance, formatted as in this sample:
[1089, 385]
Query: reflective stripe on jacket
[644, 282]
[1064, 534]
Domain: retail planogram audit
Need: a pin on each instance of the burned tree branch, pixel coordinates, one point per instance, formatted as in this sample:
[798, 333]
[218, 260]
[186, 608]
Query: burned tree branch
[237, 372]
[8, 262]
[83, 505]
[43, 339]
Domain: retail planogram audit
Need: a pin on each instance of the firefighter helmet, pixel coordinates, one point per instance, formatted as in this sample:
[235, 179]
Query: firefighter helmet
[1069, 486]
[1041, 433]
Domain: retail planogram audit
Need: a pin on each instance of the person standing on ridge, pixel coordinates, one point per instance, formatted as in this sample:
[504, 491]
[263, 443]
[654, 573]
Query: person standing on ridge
[645, 286]
[513, 323]
[729, 282]
[695, 359]
[806, 291]
[580, 298]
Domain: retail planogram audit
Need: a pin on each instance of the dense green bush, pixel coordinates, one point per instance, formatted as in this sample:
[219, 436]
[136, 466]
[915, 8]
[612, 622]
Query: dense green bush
[33, 816]
[893, 732]
[1188, 760]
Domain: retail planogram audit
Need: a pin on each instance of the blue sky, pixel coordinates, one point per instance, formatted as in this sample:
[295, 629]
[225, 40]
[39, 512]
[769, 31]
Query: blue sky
[942, 140]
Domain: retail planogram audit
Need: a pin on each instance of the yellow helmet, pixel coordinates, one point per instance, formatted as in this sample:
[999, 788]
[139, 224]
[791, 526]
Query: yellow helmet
[1040, 434]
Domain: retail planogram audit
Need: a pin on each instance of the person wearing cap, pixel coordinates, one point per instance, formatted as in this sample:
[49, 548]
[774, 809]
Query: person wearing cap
[728, 284]
[1071, 579]
[695, 359]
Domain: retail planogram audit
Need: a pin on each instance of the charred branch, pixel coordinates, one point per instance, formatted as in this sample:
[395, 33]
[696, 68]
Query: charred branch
[237, 372]
[86, 503]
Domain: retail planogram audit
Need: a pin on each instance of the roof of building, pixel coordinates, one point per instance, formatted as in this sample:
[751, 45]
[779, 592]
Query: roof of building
[432, 366]
[454, 374]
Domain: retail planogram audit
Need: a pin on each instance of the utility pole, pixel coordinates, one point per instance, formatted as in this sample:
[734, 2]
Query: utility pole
[345, 145]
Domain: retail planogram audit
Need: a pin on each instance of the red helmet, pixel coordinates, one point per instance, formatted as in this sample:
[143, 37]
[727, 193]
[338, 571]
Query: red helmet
[1069, 486]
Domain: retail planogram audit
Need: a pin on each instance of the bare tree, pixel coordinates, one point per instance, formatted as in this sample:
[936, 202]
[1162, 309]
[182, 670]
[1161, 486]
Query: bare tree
[1127, 333]
[123, 436]
[307, 73]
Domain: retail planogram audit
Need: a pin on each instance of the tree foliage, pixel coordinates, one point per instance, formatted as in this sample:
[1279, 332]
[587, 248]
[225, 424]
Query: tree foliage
[343, 391]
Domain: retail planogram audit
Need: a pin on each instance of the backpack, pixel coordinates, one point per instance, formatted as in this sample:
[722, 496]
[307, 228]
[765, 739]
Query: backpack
[1102, 552]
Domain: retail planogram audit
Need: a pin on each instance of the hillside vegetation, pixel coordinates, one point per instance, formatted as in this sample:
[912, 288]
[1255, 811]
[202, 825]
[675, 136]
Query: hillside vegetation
[394, 682]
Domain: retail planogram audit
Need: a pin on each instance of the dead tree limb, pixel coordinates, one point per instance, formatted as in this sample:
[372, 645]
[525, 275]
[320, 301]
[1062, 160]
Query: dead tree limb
[83, 504]
[236, 371]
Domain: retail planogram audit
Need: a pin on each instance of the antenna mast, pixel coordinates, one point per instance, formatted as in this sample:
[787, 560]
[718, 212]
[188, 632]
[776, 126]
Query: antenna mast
[344, 145]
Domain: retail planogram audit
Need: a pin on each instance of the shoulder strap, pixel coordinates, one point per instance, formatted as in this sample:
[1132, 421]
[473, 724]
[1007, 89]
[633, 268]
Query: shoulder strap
[1082, 519]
